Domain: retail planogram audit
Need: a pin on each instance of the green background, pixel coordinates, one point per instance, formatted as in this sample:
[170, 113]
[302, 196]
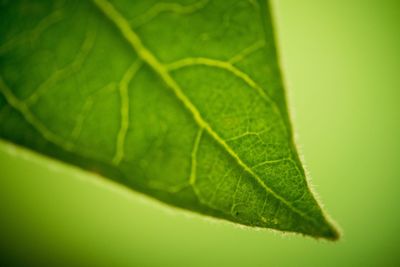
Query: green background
[341, 62]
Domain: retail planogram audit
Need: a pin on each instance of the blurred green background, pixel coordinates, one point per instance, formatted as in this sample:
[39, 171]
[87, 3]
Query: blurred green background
[341, 61]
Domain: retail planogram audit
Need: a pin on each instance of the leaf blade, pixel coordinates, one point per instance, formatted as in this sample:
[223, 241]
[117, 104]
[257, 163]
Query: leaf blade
[264, 186]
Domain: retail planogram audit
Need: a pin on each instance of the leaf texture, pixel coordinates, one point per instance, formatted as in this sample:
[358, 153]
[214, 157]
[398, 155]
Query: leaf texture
[182, 101]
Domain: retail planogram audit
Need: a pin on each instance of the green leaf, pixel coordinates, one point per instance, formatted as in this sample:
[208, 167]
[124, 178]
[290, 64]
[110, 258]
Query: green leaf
[181, 101]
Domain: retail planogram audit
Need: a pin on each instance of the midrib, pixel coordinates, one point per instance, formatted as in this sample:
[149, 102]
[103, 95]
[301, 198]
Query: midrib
[122, 24]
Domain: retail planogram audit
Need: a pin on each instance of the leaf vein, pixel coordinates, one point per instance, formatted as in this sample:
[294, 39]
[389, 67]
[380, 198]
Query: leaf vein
[159, 8]
[186, 62]
[35, 33]
[246, 52]
[24, 110]
[124, 112]
[65, 72]
[123, 26]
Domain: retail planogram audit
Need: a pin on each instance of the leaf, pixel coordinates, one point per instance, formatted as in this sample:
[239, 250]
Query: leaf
[181, 101]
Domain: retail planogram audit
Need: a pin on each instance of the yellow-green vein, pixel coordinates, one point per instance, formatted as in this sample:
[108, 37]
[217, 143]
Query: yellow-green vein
[35, 33]
[24, 110]
[186, 62]
[162, 7]
[124, 98]
[65, 72]
[123, 26]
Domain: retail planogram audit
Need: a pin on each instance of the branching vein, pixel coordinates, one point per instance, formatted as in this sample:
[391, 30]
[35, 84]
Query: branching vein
[24, 110]
[186, 62]
[65, 72]
[162, 7]
[124, 97]
[247, 51]
[147, 56]
[35, 33]
[193, 169]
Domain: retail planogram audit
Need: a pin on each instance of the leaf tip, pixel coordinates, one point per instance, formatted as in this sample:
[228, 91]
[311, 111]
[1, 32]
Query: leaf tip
[333, 234]
[330, 232]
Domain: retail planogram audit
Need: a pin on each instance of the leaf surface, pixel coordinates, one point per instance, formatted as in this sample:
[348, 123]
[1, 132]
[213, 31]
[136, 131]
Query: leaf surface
[182, 101]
